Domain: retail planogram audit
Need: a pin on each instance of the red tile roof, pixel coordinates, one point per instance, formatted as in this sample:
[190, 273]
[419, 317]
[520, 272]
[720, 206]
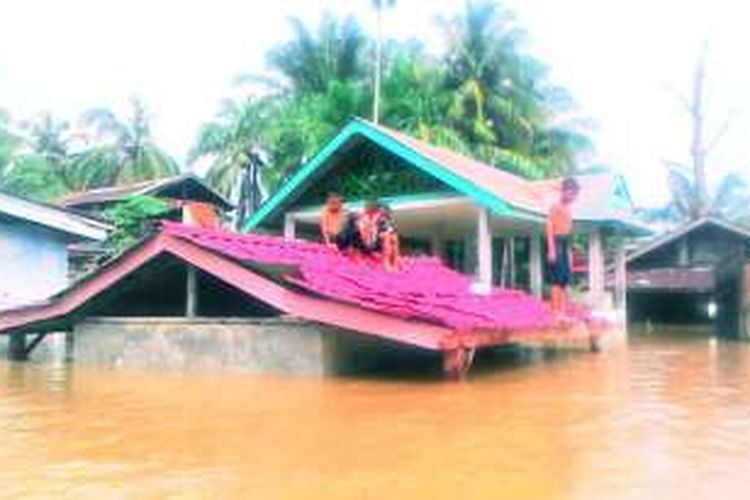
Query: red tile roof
[424, 304]
[423, 289]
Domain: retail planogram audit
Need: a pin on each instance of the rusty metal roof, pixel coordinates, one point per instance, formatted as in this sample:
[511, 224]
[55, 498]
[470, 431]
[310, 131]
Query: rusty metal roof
[672, 279]
[167, 187]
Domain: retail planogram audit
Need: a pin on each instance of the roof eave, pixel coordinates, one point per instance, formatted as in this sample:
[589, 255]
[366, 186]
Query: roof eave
[360, 127]
[53, 218]
[629, 227]
[677, 233]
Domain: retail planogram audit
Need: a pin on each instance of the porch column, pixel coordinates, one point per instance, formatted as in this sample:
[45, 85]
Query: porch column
[596, 268]
[683, 253]
[511, 255]
[290, 227]
[69, 346]
[191, 301]
[535, 265]
[621, 275]
[484, 247]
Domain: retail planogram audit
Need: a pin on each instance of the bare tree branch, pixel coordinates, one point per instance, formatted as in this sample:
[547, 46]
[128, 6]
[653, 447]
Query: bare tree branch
[674, 91]
[721, 132]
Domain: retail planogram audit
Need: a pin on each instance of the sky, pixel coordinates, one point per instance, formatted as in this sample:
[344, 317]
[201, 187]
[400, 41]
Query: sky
[624, 62]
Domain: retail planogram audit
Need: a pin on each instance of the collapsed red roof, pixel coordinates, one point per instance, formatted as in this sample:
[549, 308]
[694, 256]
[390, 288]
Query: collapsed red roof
[423, 304]
[422, 289]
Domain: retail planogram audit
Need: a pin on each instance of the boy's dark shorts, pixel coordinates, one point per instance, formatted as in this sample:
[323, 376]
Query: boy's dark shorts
[559, 272]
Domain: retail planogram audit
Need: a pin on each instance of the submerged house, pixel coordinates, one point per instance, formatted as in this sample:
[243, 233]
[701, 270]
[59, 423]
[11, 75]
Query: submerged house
[189, 199]
[479, 219]
[34, 241]
[694, 275]
[198, 297]
[193, 297]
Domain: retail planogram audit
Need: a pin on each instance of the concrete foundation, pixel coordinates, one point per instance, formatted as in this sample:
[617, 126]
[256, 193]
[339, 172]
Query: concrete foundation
[269, 345]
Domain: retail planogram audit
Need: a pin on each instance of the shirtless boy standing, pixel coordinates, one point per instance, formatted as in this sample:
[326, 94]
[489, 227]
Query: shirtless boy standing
[559, 236]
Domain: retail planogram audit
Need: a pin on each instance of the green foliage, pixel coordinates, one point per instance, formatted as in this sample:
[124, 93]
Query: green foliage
[9, 142]
[47, 158]
[33, 178]
[133, 219]
[372, 173]
[123, 151]
[309, 62]
[483, 97]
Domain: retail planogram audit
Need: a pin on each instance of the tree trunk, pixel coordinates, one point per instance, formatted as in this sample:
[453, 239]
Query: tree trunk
[697, 149]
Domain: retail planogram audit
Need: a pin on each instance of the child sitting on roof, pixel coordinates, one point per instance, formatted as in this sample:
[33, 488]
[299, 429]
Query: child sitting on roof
[368, 228]
[559, 236]
[348, 239]
[332, 220]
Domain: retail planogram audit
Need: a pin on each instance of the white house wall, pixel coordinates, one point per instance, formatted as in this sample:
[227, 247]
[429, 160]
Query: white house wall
[33, 262]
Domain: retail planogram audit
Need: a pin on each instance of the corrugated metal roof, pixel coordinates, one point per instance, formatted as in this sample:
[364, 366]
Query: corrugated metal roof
[672, 279]
[53, 217]
[685, 229]
[153, 188]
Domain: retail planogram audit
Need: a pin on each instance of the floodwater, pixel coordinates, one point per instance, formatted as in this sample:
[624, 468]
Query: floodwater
[663, 418]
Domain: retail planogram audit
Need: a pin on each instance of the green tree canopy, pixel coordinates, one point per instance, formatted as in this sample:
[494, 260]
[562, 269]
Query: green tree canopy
[484, 96]
[45, 158]
[122, 150]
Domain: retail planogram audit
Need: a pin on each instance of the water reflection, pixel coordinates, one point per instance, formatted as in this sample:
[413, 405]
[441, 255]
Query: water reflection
[667, 417]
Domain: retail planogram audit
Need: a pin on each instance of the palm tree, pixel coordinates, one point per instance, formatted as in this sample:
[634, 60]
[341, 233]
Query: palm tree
[230, 144]
[310, 62]
[24, 172]
[49, 140]
[482, 61]
[416, 99]
[380, 6]
[484, 99]
[501, 102]
[122, 151]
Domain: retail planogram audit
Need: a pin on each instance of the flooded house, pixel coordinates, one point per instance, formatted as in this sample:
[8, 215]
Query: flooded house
[693, 277]
[187, 196]
[34, 242]
[481, 220]
[275, 299]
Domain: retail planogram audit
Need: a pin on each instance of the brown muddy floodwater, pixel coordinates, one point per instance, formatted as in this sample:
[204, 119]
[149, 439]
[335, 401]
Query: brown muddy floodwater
[664, 418]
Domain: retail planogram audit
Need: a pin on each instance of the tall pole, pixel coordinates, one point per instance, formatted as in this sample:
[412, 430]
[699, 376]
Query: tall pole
[378, 63]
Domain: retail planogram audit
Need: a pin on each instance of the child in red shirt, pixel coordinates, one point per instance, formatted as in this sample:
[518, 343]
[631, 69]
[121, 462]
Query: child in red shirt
[368, 228]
